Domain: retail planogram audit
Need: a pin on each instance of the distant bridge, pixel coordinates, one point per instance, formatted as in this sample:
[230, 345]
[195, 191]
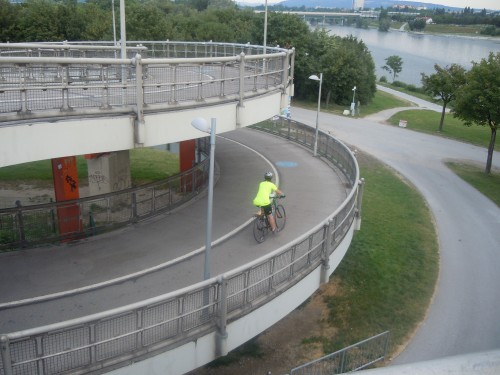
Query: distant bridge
[362, 14]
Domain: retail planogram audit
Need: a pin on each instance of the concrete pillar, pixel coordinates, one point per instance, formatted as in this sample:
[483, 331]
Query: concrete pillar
[108, 172]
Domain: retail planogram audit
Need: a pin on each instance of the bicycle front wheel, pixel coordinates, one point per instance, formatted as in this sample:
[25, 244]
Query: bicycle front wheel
[259, 229]
[280, 217]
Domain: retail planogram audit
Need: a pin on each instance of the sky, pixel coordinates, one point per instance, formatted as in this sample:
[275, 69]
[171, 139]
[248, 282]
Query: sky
[475, 4]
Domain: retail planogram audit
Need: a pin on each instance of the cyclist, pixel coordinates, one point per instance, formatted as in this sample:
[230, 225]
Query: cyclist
[262, 199]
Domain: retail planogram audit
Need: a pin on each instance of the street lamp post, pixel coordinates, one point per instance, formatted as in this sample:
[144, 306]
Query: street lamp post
[314, 77]
[123, 32]
[265, 27]
[202, 125]
[353, 104]
[114, 23]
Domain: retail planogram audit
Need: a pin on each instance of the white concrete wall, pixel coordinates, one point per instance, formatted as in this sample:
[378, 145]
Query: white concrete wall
[198, 353]
[41, 140]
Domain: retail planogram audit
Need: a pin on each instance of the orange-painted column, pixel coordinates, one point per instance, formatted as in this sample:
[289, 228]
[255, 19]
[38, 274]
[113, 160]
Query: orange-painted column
[65, 175]
[186, 160]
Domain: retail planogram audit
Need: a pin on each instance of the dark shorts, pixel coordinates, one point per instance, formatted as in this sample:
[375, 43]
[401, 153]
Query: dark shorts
[267, 209]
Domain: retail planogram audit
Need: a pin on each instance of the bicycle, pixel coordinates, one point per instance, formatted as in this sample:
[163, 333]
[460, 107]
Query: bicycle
[261, 224]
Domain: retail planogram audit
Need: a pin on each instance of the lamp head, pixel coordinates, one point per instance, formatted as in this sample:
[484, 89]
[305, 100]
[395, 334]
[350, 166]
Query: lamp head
[201, 124]
[314, 77]
[354, 88]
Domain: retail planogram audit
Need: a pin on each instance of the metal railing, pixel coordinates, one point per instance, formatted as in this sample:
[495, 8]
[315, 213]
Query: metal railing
[51, 81]
[352, 358]
[27, 226]
[103, 341]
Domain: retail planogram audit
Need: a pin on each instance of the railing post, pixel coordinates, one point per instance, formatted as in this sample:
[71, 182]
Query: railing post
[134, 207]
[292, 68]
[5, 348]
[223, 80]
[20, 224]
[242, 79]
[284, 74]
[359, 202]
[65, 90]
[325, 255]
[139, 124]
[105, 89]
[200, 83]
[174, 83]
[23, 93]
[221, 334]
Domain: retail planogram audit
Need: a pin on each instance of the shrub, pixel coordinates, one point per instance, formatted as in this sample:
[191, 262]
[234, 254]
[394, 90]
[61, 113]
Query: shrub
[399, 84]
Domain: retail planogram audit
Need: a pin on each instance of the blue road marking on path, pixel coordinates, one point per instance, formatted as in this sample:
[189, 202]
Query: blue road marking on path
[286, 164]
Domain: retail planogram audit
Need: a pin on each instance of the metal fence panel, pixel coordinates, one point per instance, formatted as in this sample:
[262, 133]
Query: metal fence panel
[160, 322]
[22, 354]
[55, 344]
[353, 358]
[115, 336]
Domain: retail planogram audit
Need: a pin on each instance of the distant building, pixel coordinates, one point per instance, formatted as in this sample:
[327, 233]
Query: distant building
[358, 4]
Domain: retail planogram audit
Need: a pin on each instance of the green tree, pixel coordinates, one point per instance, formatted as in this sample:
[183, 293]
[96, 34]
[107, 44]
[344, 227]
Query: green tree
[345, 63]
[478, 100]
[394, 65]
[8, 21]
[417, 24]
[146, 22]
[38, 22]
[444, 84]
[98, 23]
[384, 22]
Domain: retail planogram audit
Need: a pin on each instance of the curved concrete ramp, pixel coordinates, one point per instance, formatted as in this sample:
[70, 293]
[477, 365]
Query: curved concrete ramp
[312, 190]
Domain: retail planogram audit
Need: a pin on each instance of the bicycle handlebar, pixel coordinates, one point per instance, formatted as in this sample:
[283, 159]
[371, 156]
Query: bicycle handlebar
[278, 196]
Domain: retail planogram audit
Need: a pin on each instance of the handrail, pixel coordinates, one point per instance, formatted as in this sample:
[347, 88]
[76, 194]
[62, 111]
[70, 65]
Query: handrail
[166, 321]
[159, 76]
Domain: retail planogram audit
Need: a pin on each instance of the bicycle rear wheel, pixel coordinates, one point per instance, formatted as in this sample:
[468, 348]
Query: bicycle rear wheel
[280, 217]
[259, 229]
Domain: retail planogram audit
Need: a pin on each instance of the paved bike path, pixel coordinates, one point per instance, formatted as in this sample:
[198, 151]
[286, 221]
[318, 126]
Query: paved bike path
[464, 314]
[313, 192]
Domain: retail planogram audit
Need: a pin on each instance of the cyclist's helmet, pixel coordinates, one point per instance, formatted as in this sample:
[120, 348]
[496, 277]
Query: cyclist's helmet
[268, 176]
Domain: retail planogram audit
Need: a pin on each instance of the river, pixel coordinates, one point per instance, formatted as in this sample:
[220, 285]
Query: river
[419, 51]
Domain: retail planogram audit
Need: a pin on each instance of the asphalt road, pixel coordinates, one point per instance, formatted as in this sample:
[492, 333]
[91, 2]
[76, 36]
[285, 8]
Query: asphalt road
[465, 312]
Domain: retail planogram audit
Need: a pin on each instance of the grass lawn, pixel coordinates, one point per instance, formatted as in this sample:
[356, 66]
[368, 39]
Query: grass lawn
[381, 101]
[387, 279]
[489, 185]
[471, 30]
[404, 90]
[428, 122]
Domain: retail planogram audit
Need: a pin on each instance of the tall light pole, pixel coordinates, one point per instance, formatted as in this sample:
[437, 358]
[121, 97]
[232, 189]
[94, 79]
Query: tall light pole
[202, 125]
[123, 32]
[114, 23]
[314, 77]
[353, 104]
[265, 27]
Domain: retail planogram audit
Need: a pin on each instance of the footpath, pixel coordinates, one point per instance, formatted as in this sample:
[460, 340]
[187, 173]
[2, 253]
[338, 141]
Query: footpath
[29, 274]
